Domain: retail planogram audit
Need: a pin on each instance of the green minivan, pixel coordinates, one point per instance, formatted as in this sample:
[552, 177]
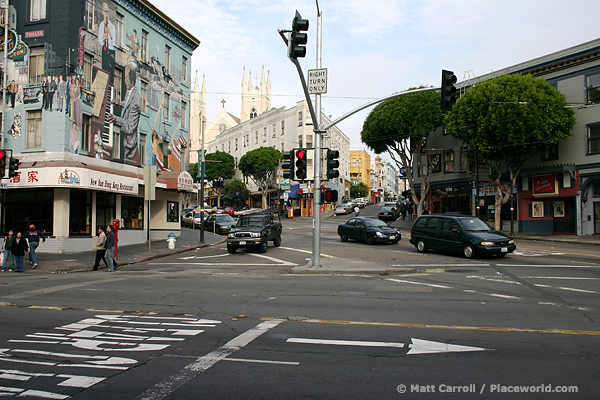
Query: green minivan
[460, 234]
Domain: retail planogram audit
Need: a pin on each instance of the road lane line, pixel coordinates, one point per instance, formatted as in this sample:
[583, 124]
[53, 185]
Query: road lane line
[419, 283]
[502, 296]
[31, 293]
[344, 342]
[308, 252]
[435, 326]
[246, 360]
[169, 385]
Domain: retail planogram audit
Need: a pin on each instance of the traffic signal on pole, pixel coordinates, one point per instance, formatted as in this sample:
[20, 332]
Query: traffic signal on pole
[13, 166]
[298, 39]
[448, 90]
[3, 157]
[332, 164]
[330, 196]
[301, 165]
[288, 164]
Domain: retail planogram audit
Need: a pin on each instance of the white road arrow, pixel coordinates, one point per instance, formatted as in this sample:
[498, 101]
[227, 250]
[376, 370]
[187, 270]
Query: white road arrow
[420, 346]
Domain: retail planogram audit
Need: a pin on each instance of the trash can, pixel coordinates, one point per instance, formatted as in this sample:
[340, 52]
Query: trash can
[171, 240]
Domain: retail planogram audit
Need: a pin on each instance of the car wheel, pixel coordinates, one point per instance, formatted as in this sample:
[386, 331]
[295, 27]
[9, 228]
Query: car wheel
[421, 246]
[369, 239]
[469, 251]
[231, 249]
[343, 237]
[262, 247]
[277, 241]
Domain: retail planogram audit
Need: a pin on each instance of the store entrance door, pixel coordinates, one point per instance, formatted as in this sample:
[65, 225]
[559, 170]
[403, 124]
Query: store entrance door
[105, 209]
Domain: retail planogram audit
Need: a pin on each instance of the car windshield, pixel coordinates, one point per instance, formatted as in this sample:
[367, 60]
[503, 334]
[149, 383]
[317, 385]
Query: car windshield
[224, 218]
[474, 224]
[250, 222]
[386, 209]
[374, 223]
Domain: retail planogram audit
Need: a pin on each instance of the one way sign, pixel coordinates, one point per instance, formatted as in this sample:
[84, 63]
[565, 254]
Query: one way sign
[317, 81]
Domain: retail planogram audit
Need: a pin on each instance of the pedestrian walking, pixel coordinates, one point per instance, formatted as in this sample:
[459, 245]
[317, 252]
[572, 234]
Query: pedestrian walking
[19, 248]
[410, 210]
[33, 237]
[8, 257]
[403, 210]
[109, 245]
[100, 250]
[356, 211]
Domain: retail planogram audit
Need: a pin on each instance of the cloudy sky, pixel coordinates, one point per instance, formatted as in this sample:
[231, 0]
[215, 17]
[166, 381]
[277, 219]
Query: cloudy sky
[372, 48]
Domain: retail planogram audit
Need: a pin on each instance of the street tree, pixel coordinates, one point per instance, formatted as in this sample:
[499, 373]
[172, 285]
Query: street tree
[360, 190]
[505, 119]
[220, 166]
[236, 191]
[261, 166]
[400, 127]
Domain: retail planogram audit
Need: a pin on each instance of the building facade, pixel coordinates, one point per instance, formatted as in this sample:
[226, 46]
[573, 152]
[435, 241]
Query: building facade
[361, 170]
[558, 191]
[102, 92]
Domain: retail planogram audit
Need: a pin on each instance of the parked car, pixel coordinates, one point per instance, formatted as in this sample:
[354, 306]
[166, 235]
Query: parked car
[188, 209]
[192, 219]
[248, 211]
[254, 231]
[219, 223]
[387, 213]
[394, 205]
[345, 208]
[230, 210]
[368, 229]
[460, 234]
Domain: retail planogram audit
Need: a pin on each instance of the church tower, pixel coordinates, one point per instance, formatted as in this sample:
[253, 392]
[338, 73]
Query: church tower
[255, 99]
[197, 117]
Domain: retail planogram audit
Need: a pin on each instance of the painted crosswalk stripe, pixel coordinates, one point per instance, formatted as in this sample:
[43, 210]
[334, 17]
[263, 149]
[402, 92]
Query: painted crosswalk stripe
[344, 342]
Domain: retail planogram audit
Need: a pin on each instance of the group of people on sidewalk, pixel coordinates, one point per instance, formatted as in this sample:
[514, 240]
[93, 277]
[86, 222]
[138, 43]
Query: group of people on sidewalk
[16, 245]
[105, 250]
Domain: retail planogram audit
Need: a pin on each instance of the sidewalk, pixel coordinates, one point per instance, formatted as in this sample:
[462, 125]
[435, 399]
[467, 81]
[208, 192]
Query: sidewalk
[49, 263]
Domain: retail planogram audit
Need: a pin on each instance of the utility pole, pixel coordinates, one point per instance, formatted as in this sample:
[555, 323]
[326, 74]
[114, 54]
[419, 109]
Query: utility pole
[5, 8]
[316, 245]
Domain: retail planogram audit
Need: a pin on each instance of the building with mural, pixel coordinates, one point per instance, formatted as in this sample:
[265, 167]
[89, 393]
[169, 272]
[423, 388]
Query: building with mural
[101, 91]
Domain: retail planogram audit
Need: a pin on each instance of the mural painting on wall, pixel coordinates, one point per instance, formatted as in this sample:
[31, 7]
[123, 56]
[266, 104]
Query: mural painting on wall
[114, 112]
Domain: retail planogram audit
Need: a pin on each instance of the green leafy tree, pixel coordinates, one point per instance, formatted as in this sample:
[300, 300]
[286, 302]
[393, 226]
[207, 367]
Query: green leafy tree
[261, 165]
[236, 191]
[360, 190]
[220, 166]
[400, 127]
[194, 172]
[505, 119]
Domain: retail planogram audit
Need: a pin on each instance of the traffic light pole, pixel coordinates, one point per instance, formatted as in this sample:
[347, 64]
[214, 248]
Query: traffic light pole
[316, 245]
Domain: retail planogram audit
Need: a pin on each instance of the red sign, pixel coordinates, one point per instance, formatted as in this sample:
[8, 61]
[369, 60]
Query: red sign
[31, 34]
[545, 184]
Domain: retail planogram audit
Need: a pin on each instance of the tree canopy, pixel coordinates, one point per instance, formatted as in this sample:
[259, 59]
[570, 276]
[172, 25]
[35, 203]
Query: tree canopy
[400, 127]
[220, 166]
[261, 165]
[505, 119]
[236, 191]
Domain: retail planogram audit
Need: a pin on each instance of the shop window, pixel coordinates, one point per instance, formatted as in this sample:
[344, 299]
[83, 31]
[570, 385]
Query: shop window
[80, 213]
[118, 84]
[132, 212]
[37, 10]
[172, 211]
[144, 49]
[36, 67]
[105, 209]
[143, 96]
[86, 130]
[34, 129]
[449, 161]
[28, 206]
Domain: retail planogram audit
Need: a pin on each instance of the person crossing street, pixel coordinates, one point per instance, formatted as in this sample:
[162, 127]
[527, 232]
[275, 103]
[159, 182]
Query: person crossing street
[33, 237]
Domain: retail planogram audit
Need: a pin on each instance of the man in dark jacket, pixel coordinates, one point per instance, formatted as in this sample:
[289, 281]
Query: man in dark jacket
[19, 248]
[33, 237]
[109, 245]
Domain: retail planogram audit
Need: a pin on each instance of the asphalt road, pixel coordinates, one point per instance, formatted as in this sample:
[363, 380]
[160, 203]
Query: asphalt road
[213, 325]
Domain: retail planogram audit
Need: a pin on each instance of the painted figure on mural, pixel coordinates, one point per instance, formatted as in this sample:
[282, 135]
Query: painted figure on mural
[51, 90]
[135, 44]
[76, 114]
[13, 88]
[130, 116]
[61, 93]
[44, 93]
[68, 96]
[106, 38]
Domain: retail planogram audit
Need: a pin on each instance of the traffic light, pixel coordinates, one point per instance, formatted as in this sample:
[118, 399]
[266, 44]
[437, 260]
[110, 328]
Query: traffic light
[13, 166]
[448, 90]
[330, 196]
[3, 158]
[301, 164]
[297, 39]
[288, 164]
[332, 164]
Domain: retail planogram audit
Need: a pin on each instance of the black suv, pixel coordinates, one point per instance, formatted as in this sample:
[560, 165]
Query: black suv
[460, 234]
[254, 231]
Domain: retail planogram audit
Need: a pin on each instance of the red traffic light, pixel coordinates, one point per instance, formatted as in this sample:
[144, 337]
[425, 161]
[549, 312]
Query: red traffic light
[300, 154]
[2, 155]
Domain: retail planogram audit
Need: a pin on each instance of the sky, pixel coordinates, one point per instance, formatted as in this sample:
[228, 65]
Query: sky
[371, 48]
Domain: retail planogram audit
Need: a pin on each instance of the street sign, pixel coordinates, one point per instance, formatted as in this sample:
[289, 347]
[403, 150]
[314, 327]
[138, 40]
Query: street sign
[317, 81]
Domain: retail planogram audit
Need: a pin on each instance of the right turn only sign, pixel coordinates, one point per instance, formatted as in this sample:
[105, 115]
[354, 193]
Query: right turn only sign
[317, 81]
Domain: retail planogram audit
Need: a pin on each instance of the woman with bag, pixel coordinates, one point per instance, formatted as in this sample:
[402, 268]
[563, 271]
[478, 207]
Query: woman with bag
[19, 248]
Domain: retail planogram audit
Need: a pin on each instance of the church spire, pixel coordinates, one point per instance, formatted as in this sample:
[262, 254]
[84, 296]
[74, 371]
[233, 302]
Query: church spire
[196, 88]
[244, 82]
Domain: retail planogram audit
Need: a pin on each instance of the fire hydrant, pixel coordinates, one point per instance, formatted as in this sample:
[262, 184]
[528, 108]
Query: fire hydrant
[171, 240]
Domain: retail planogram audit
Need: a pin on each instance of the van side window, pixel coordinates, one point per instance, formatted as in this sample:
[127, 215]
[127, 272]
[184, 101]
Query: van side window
[421, 223]
[450, 224]
[436, 224]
